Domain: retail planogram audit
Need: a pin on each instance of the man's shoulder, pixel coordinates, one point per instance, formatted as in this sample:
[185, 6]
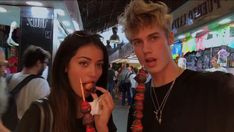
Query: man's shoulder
[38, 81]
[207, 74]
[206, 78]
[39, 86]
[218, 81]
[216, 75]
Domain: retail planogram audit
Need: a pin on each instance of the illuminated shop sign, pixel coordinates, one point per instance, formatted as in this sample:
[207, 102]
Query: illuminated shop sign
[198, 11]
[37, 22]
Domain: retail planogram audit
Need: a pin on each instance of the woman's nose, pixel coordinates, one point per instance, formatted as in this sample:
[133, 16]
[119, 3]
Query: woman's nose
[93, 71]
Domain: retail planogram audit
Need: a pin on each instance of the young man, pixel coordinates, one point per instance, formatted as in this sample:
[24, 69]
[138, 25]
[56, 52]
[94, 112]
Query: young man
[175, 100]
[35, 60]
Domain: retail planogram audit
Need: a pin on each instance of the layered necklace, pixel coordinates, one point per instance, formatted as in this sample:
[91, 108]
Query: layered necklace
[160, 107]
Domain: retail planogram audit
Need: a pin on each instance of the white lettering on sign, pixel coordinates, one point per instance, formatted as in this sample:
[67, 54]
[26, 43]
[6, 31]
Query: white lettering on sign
[37, 22]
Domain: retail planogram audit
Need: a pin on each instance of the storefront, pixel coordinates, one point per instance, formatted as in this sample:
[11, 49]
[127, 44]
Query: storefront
[206, 29]
[43, 24]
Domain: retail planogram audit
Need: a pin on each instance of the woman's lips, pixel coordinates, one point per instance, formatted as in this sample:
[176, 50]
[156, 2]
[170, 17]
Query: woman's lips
[89, 87]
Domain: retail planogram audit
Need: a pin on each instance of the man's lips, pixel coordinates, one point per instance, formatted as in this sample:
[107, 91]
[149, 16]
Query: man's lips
[150, 62]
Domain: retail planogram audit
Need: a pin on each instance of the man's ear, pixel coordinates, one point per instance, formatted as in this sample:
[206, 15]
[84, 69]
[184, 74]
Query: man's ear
[38, 62]
[171, 38]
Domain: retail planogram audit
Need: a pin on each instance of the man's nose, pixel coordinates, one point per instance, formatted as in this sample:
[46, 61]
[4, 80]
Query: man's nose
[146, 47]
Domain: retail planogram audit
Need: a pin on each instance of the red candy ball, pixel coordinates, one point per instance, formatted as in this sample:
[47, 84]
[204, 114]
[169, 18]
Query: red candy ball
[85, 107]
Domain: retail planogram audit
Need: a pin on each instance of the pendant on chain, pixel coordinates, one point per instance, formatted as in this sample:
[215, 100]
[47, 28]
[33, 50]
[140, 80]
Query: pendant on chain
[158, 116]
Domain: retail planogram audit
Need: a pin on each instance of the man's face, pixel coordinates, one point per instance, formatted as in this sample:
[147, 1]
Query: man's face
[2, 68]
[43, 65]
[214, 62]
[152, 47]
[3, 63]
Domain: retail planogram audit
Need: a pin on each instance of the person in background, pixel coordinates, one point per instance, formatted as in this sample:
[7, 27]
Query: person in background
[111, 82]
[3, 91]
[115, 83]
[216, 66]
[81, 56]
[34, 61]
[13, 60]
[148, 76]
[3, 63]
[182, 62]
[118, 82]
[175, 100]
[125, 84]
[108, 46]
[133, 82]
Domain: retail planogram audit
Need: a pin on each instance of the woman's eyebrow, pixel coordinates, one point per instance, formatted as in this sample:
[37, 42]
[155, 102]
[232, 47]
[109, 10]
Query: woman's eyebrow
[83, 57]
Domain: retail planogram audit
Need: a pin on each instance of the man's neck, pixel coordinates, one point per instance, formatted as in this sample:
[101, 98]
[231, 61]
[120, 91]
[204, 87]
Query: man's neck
[167, 75]
[29, 71]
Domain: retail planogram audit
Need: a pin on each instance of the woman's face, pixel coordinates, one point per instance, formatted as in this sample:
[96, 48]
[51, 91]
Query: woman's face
[86, 65]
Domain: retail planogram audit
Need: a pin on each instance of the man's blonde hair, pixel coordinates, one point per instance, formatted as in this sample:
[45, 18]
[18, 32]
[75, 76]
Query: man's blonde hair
[141, 14]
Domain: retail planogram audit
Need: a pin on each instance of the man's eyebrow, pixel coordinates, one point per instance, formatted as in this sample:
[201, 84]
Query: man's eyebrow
[151, 34]
[154, 33]
[131, 40]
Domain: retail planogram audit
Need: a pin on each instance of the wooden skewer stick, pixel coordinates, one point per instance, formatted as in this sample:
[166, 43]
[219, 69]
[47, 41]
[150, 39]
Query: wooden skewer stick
[82, 89]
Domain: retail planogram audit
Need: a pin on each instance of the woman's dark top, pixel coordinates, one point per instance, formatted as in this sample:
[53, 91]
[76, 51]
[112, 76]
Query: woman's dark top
[198, 102]
[31, 122]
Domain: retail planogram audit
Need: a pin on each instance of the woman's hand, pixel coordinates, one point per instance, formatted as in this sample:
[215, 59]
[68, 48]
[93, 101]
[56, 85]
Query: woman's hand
[106, 106]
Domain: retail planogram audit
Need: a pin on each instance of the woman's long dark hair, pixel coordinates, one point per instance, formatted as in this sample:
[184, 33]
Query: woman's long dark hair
[62, 97]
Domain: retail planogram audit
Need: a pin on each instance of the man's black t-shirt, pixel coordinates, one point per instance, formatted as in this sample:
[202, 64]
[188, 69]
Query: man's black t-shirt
[198, 102]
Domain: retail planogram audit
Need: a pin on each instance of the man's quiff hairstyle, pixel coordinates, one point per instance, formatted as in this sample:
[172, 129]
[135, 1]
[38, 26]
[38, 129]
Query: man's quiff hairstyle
[140, 14]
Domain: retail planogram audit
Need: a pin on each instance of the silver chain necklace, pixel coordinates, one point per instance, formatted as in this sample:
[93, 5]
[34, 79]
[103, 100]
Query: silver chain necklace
[159, 109]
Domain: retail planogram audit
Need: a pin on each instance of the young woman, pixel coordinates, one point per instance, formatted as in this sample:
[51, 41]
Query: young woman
[81, 56]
